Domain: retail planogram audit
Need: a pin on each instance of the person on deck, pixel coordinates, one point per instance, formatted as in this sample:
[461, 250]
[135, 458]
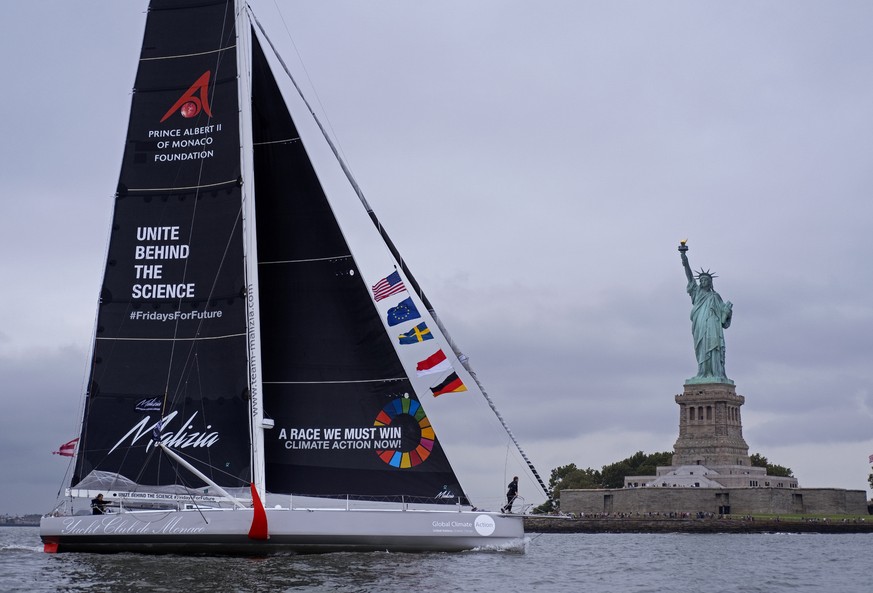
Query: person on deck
[511, 494]
[98, 505]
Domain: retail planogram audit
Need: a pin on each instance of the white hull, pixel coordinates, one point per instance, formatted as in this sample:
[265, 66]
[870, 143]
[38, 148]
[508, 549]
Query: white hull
[225, 531]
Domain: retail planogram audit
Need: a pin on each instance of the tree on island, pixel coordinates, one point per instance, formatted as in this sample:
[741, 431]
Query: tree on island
[609, 476]
[570, 477]
[779, 471]
[638, 464]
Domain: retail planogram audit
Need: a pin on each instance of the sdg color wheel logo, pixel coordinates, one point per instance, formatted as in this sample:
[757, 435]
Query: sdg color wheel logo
[418, 439]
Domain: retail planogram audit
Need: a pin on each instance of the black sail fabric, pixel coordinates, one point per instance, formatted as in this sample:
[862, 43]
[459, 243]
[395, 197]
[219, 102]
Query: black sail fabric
[347, 420]
[170, 344]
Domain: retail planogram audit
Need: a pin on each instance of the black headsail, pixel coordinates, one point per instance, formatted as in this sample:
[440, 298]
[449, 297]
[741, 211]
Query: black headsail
[347, 419]
[170, 344]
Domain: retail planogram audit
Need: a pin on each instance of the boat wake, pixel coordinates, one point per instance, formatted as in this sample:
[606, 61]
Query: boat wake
[517, 546]
[17, 548]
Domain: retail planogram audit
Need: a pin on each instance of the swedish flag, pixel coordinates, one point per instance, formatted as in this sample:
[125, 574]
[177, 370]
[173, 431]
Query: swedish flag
[417, 334]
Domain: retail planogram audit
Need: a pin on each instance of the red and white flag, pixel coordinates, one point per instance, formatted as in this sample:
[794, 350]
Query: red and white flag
[68, 449]
[435, 363]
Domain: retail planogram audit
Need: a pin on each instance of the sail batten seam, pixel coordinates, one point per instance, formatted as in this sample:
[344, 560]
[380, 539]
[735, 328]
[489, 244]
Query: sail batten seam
[334, 382]
[202, 53]
[300, 261]
[185, 187]
[172, 339]
[282, 141]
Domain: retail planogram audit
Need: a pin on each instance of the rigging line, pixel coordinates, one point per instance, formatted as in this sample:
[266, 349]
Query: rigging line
[214, 85]
[533, 537]
[488, 399]
[202, 53]
[253, 18]
[209, 297]
[202, 400]
[142, 469]
[192, 459]
[461, 357]
[67, 472]
[303, 261]
[340, 160]
[186, 487]
[117, 467]
[90, 369]
[299, 59]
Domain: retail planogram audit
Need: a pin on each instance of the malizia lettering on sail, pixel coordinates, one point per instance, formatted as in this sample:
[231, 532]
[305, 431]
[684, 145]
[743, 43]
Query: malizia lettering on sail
[178, 440]
[149, 405]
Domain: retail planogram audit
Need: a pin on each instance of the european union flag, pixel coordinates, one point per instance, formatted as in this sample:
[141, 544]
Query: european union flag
[417, 334]
[404, 311]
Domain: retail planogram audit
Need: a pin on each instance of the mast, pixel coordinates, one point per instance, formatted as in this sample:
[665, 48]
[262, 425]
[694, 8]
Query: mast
[250, 241]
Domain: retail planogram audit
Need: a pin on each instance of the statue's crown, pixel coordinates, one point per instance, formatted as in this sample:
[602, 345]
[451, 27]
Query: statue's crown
[703, 272]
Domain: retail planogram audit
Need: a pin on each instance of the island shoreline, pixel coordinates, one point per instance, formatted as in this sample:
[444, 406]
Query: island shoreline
[546, 524]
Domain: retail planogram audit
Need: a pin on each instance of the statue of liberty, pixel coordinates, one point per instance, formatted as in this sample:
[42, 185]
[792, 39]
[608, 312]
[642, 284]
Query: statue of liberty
[710, 316]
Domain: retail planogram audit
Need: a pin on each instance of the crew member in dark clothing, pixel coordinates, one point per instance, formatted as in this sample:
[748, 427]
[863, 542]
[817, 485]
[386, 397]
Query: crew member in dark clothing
[511, 494]
[98, 505]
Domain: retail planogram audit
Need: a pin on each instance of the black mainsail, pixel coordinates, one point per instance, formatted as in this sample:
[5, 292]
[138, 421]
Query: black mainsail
[170, 343]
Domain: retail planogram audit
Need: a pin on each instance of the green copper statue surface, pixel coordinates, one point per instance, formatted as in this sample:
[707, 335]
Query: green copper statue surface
[710, 316]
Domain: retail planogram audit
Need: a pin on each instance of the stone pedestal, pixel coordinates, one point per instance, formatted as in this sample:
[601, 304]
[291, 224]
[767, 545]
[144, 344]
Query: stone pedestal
[710, 427]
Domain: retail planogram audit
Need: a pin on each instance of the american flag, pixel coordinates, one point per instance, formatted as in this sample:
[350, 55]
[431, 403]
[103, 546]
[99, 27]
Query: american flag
[385, 287]
[68, 449]
[871, 459]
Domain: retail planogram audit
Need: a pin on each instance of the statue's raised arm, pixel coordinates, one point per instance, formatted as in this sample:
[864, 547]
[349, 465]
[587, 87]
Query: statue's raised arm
[709, 317]
[683, 248]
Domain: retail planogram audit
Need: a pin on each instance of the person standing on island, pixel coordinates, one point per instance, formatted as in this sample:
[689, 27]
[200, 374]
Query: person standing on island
[511, 494]
[710, 316]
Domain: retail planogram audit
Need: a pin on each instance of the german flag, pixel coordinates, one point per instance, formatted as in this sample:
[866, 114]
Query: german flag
[451, 384]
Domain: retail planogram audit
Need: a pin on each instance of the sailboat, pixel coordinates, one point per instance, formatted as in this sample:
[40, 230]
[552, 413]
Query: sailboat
[266, 373]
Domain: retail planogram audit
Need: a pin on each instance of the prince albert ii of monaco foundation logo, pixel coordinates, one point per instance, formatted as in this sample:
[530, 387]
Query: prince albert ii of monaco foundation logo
[194, 100]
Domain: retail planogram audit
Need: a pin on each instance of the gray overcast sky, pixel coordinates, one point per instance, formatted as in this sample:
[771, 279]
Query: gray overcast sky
[558, 151]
